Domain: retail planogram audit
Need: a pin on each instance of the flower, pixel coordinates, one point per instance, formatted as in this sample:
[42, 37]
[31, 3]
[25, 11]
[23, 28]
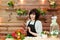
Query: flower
[19, 34]
[52, 3]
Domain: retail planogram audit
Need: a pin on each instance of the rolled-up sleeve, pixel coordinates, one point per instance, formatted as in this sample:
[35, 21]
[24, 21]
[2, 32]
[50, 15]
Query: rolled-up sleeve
[38, 27]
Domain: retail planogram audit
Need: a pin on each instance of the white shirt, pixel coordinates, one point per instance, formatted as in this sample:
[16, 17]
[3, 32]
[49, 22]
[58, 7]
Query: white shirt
[38, 26]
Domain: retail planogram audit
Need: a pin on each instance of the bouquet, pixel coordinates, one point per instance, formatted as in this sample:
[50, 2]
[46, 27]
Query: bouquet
[19, 34]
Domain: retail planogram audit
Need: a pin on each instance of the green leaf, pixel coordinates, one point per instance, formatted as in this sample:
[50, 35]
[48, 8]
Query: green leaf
[22, 36]
[9, 36]
[10, 4]
[41, 12]
[21, 12]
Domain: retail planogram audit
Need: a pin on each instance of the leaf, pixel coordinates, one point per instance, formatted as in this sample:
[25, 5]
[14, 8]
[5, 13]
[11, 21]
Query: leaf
[9, 36]
[21, 12]
[10, 4]
[22, 36]
[41, 12]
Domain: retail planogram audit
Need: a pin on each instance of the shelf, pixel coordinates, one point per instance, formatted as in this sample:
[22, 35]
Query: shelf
[53, 9]
[22, 17]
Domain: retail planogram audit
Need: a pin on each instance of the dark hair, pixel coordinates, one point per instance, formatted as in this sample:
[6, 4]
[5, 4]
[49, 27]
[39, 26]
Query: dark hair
[35, 11]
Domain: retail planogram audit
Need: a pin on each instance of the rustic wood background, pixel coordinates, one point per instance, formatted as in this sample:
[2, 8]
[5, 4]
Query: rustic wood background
[7, 27]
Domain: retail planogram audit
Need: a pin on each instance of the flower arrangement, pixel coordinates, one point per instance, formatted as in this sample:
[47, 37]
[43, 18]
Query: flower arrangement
[21, 12]
[10, 3]
[52, 3]
[44, 34]
[54, 33]
[19, 34]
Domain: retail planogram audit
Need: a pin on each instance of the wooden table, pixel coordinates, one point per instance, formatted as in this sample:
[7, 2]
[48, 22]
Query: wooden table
[38, 38]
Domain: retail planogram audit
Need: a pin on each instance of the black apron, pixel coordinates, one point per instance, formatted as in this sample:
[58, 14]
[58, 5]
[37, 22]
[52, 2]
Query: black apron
[32, 26]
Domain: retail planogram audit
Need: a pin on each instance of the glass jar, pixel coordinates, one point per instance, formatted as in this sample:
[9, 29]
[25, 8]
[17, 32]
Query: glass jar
[54, 25]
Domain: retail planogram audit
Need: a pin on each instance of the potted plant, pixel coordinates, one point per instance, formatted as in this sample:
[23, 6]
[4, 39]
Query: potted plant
[11, 4]
[42, 15]
[52, 3]
[21, 12]
[42, 12]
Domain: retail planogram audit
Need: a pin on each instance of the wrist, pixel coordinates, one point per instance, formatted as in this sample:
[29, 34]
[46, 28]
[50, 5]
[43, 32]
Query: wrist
[29, 31]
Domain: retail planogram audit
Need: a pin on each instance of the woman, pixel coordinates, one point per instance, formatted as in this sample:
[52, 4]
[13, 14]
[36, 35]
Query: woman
[34, 25]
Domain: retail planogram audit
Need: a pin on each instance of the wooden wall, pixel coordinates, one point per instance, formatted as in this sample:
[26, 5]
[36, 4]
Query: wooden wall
[28, 5]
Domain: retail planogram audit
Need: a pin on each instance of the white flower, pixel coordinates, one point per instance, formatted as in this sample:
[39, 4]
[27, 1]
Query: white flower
[52, 32]
[52, 2]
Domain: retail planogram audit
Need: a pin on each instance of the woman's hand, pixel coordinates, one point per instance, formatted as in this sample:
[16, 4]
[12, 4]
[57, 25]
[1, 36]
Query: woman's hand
[34, 34]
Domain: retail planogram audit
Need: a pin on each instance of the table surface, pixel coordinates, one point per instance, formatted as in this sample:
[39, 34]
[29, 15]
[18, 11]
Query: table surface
[36, 38]
[39, 38]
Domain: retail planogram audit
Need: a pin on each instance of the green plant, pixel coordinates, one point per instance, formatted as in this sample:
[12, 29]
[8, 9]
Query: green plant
[9, 37]
[10, 4]
[44, 32]
[21, 12]
[52, 3]
[54, 33]
[41, 12]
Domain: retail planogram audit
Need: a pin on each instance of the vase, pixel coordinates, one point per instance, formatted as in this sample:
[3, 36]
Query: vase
[54, 25]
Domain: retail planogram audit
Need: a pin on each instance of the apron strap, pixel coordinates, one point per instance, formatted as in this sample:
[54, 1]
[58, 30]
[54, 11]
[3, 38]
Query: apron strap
[34, 23]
